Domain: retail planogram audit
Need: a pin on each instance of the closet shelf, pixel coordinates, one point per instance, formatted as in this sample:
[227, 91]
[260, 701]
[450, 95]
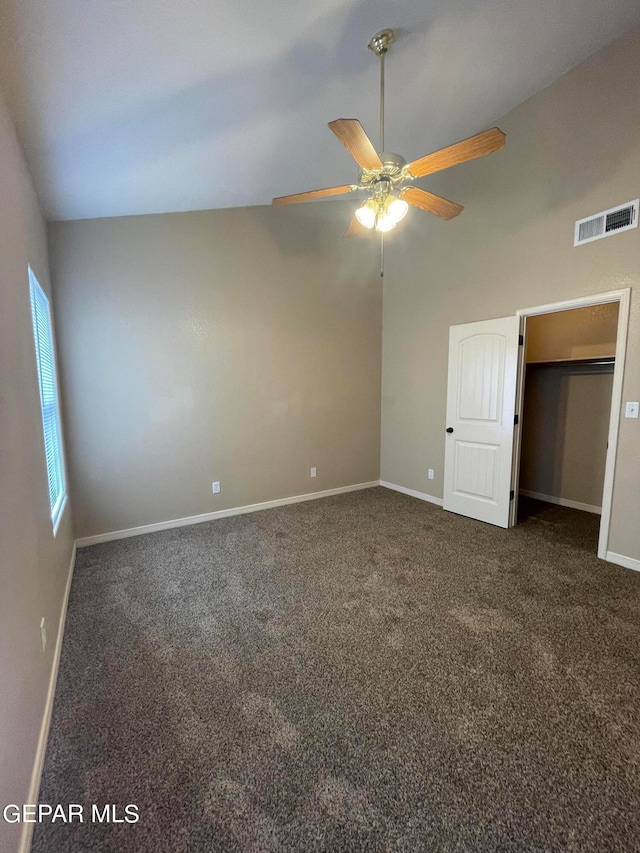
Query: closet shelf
[559, 362]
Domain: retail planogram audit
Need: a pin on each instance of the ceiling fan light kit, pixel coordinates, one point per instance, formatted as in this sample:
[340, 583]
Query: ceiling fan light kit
[382, 213]
[386, 176]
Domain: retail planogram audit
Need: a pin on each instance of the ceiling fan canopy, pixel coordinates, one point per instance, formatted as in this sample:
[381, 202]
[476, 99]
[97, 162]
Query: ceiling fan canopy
[386, 176]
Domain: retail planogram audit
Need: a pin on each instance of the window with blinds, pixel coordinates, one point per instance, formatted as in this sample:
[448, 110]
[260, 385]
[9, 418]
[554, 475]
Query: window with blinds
[43, 336]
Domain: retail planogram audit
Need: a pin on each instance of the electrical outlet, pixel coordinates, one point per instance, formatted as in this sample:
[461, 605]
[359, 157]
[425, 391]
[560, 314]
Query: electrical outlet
[430, 474]
[313, 472]
[215, 487]
[43, 634]
[631, 410]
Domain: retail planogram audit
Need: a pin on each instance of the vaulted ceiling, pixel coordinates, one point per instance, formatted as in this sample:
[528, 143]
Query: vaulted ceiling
[147, 106]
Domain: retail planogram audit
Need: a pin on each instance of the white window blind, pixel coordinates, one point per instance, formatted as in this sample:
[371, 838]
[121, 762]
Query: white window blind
[43, 336]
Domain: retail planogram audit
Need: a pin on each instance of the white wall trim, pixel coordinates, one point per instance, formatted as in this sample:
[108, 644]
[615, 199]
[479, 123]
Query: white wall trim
[36, 773]
[579, 302]
[422, 496]
[614, 421]
[621, 560]
[221, 513]
[550, 499]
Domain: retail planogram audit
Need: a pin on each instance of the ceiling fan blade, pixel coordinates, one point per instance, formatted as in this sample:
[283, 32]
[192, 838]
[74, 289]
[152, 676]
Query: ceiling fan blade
[431, 203]
[329, 191]
[476, 146]
[351, 133]
[357, 229]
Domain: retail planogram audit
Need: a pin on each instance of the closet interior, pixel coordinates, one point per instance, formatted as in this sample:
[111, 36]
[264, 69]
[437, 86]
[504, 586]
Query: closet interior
[570, 358]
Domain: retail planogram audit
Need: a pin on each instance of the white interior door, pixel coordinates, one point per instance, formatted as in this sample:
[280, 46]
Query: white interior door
[481, 399]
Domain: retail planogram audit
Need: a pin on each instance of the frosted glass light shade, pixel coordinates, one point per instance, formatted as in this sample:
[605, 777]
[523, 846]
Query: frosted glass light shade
[397, 209]
[383, 214]
[384, 222]
[366, 215]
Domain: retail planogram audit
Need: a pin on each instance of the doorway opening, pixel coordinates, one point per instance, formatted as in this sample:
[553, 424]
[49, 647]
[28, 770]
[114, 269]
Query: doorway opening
[568, 406]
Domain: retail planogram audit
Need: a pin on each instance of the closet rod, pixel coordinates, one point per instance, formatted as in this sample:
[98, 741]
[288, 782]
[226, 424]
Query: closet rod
[563, 362]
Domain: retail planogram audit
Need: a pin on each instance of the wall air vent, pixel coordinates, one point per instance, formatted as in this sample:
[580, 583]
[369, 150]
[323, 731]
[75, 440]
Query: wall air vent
[620, 218]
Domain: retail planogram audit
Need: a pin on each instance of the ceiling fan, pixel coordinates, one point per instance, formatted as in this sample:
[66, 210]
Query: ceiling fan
[386, 176]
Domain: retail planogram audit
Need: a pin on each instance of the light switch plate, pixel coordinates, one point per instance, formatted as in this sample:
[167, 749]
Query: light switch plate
[631, 410]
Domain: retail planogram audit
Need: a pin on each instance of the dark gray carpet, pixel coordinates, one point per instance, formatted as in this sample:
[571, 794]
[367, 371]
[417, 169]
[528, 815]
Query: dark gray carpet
[360, 673]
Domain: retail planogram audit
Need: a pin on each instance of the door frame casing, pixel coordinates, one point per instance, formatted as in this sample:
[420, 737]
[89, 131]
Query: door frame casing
[623, 297]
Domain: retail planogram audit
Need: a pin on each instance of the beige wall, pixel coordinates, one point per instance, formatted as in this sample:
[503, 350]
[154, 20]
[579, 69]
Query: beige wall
[235, 345]
[564, 432]
[572, 150]
[589, 332]
[34, 564]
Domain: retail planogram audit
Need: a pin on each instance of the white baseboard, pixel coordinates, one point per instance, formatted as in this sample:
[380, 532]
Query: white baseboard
[550, 499]
[422, 496]
[621, 560]
[36, 773]
[221, 513]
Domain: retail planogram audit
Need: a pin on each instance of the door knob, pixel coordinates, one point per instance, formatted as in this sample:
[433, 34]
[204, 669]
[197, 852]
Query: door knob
[449, 429]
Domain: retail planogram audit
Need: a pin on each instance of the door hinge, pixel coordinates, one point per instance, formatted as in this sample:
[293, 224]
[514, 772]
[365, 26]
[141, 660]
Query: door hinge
[516, 420]
[520, 340]
[512, 495]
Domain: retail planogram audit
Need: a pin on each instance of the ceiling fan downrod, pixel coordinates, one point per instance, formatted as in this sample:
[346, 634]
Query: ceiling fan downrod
[379, 44]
